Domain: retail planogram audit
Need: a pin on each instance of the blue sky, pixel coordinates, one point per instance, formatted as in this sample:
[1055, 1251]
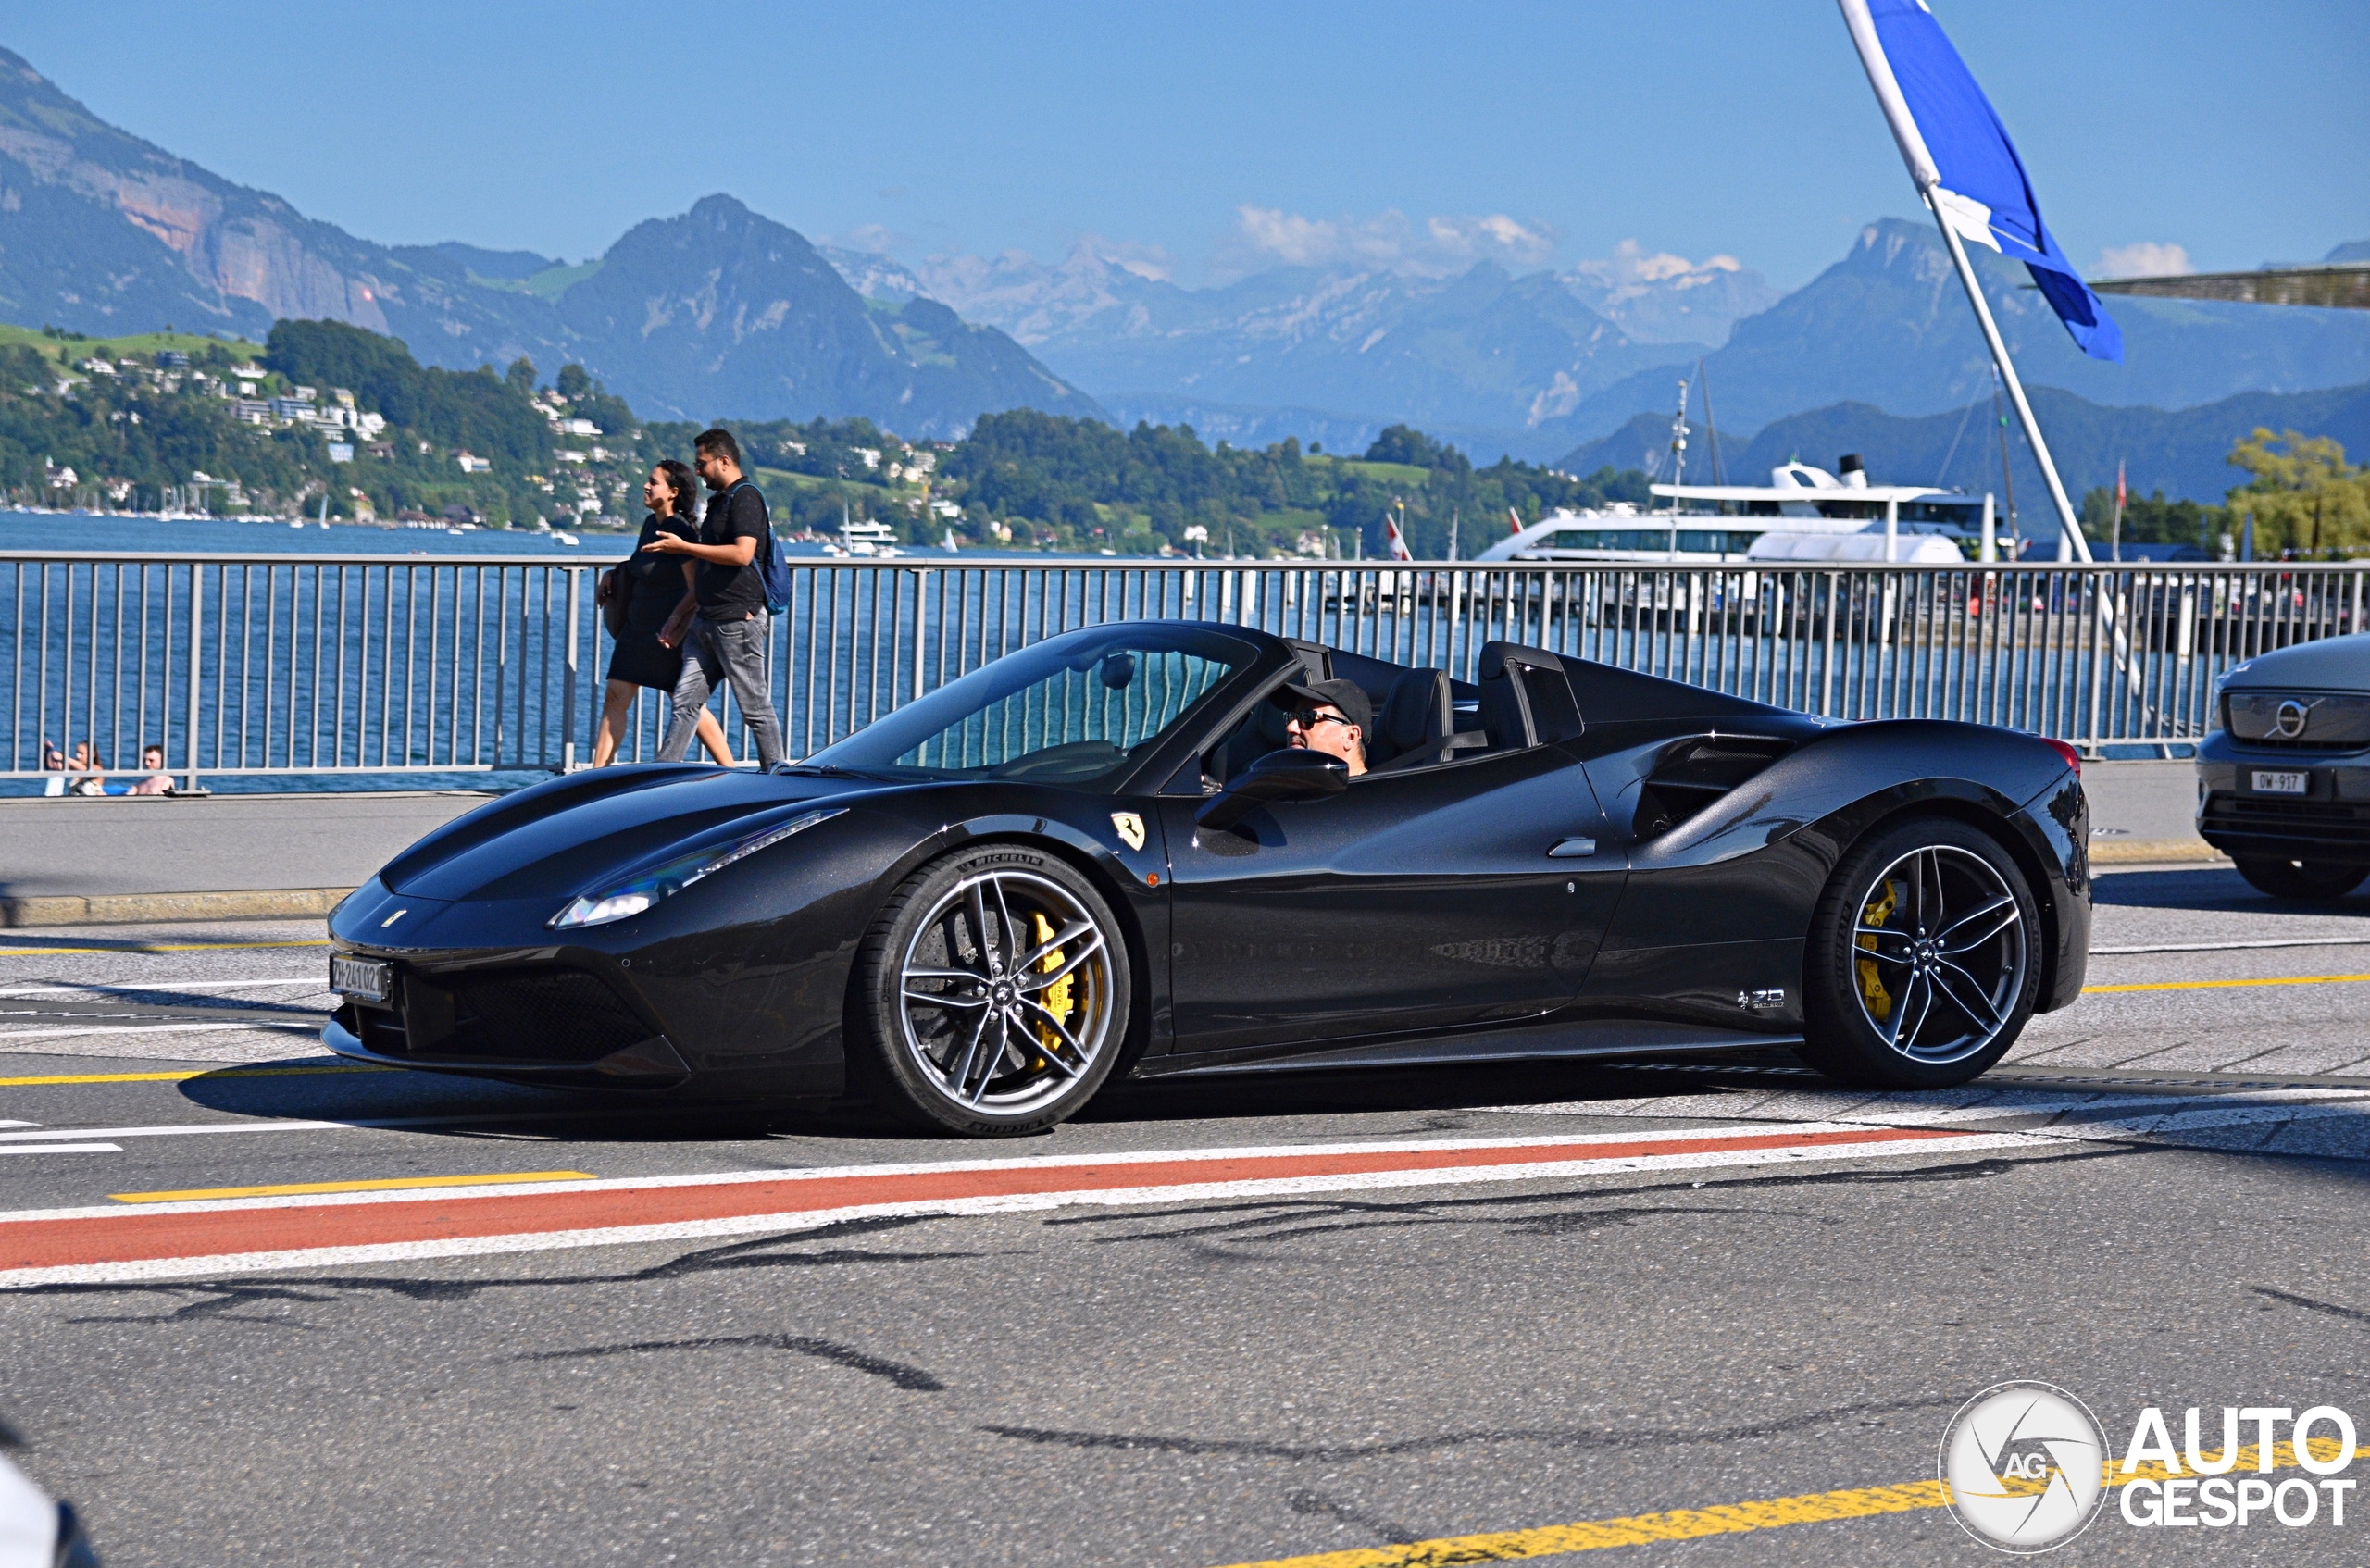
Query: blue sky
[1215, 137]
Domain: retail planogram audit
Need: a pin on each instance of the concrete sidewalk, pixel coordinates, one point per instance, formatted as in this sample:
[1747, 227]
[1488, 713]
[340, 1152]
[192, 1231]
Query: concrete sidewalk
[78, 861]
[103, 860]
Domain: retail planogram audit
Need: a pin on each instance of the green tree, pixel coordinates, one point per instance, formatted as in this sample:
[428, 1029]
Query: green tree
[574, 381]
[522, 375]
[2305, 499]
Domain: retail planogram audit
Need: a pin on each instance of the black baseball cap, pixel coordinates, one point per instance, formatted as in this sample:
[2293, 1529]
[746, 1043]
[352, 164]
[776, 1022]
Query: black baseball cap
[1346, 695]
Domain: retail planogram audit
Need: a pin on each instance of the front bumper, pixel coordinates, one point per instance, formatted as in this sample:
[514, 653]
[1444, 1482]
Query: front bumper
[545, 1023]
[2330, 824]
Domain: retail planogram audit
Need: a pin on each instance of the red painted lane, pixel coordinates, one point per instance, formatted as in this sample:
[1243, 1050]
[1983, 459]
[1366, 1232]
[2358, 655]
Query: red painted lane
[35, 1243]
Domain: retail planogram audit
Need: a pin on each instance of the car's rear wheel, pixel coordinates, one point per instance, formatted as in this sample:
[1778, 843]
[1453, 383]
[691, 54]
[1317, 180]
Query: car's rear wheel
[2316, 881]
[992, 993]
[1924, 959]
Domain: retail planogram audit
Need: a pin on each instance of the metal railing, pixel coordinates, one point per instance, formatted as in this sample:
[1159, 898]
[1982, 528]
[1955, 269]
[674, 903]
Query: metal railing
[400, 664]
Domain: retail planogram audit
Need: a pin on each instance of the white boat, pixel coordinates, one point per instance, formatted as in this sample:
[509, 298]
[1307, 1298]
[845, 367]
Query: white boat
[567, 539]
[864, 537]
[1802, 514]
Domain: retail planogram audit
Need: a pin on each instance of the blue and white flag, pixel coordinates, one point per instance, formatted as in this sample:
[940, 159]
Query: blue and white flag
[1960, 156]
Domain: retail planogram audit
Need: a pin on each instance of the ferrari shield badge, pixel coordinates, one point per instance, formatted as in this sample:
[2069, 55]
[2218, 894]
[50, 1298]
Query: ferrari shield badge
[1131, 827]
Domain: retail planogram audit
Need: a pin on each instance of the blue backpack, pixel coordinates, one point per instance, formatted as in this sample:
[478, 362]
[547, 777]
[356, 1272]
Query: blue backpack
[772, 571]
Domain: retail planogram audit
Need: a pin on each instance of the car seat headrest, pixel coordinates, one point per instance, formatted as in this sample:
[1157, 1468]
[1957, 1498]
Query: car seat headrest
[1419, 709]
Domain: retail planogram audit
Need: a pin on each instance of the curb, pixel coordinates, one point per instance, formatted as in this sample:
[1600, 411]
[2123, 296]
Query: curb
[2153, 852]
[127, 909]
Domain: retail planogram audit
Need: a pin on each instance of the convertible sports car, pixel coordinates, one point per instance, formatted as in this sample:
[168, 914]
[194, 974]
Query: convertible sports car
[1101, 855]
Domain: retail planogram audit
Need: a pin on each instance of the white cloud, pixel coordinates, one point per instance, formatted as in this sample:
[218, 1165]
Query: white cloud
[1630, 263]
[2144, 258]
[1386, 242]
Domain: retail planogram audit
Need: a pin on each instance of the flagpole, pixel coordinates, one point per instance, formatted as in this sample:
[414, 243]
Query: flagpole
[2066, 521]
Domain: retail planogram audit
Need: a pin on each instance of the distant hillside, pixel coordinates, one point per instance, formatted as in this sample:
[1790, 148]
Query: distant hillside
[1889, 325]
[104, 233]
[2179, 451]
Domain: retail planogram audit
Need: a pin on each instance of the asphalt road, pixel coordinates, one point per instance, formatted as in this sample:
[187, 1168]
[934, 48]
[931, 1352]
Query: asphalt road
[1734, 1285]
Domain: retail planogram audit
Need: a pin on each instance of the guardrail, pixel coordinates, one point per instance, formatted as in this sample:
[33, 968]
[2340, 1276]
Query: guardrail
[387, 664]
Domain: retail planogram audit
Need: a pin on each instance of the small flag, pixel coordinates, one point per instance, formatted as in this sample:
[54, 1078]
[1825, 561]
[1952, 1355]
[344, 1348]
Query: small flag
[1514, 518]
[2119, 501]
[1397, 541]
[1960, 156]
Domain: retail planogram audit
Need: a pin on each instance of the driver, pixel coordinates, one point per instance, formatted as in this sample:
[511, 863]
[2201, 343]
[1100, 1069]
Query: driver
[1331, 717]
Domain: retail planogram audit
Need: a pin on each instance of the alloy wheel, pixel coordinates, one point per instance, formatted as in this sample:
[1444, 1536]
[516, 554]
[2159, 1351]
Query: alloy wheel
[1004, 992]
[1940, 954]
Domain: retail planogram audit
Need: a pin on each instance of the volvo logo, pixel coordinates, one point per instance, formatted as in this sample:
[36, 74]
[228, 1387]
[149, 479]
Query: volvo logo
[2289, 717]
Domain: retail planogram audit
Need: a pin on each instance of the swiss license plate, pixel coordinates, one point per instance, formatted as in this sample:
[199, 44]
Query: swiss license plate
[2282, 783]
[364, 978]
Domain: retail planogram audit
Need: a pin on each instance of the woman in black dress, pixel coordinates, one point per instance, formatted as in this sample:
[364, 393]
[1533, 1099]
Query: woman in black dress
[657, 610]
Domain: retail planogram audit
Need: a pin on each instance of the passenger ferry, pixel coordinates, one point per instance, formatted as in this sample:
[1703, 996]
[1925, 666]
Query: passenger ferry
[864, 537]
[1802, 514]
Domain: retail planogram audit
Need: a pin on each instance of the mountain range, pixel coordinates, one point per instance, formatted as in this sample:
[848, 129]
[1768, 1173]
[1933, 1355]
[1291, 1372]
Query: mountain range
[716, 312]
[721, 311]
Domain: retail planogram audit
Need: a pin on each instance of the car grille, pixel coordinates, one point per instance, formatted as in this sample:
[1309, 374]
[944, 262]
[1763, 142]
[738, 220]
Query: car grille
[2329, 721]
[2300, 829]
[524, 1015]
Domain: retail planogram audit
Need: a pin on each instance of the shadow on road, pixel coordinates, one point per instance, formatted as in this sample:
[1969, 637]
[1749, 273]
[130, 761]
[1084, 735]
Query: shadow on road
[2210, 888]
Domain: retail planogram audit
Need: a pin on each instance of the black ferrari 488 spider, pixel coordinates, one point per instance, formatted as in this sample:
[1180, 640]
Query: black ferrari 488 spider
[1103, 854]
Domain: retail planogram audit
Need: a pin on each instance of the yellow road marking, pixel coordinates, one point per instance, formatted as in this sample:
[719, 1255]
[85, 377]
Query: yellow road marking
[303, 1188]
[154, 947]
[2220, 985]
[1693, 1523]
[183, 1075]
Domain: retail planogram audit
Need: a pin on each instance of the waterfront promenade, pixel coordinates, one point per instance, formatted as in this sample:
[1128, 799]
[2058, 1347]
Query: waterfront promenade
[78, 861]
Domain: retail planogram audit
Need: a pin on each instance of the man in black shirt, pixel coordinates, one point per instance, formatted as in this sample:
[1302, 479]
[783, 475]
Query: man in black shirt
[727, 636]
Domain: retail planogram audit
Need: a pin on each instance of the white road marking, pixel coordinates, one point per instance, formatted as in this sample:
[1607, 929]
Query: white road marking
[2221, 947]
[64, 1149]
[20, 1123]
[744, 1225]
[313, 981]
[7, 1035]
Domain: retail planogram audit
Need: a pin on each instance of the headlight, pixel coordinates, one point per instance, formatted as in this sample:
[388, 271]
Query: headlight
[643, 889]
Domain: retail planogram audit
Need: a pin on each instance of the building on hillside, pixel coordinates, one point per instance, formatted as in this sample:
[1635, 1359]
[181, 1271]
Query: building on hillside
[576, 427]
[471, 463]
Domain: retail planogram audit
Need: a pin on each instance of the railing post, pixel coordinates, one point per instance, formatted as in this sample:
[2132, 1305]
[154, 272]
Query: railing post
[921, 626]
[568, 702]
[196, 625]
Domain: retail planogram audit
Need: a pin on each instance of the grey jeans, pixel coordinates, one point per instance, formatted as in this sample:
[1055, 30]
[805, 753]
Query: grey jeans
[714, 652]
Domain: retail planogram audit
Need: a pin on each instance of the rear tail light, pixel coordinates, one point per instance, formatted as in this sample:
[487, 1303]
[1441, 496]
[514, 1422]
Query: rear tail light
[2073, 758]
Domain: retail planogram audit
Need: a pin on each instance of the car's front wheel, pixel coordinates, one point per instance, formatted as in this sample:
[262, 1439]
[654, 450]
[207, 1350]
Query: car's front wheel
[2314, 881]
[1924, 959]
[991, 993]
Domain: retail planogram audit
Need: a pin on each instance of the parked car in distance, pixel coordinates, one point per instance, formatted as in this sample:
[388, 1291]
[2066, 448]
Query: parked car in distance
[2283, 781]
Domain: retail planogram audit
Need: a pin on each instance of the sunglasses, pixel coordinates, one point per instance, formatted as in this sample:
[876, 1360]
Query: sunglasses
[1309, 719]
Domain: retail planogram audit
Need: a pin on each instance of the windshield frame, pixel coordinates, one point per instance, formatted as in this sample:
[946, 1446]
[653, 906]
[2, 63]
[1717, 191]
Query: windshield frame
[1254, 655]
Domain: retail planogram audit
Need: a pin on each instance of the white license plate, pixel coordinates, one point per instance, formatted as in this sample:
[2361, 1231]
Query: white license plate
[2283, 783]
[364, 978]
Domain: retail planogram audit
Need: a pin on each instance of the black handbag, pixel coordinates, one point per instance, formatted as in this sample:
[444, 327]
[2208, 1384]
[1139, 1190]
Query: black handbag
[611, 592]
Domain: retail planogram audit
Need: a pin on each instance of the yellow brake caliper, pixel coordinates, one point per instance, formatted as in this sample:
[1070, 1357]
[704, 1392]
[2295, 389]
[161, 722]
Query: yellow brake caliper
[1055, 998]
[1872, 986]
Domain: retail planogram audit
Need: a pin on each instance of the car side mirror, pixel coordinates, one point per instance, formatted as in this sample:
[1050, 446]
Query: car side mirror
[1293, 774]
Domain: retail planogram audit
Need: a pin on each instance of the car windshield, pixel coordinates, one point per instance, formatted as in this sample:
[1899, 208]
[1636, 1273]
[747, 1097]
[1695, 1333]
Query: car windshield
[1074, 710]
